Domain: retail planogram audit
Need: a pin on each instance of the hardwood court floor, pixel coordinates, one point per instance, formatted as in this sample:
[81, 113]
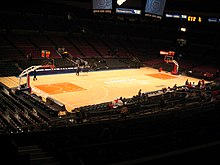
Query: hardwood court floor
[99, 86]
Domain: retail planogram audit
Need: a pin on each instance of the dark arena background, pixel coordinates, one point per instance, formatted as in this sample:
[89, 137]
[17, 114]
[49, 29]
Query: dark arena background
[109, 82]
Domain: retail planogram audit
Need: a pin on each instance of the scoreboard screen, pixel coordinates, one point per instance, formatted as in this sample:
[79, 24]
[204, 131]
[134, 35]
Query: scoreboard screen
[102, 4]
[128, 6]
[155, 7]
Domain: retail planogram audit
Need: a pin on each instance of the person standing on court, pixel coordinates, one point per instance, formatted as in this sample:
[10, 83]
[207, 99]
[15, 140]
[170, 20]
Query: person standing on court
[35, 75]
[77, 70]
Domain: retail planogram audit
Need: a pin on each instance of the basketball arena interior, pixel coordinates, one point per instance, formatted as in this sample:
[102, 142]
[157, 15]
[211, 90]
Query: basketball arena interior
[109, 82]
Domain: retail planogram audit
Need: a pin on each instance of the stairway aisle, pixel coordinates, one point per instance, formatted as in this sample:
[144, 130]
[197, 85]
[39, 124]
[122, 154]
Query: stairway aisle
[34, 155]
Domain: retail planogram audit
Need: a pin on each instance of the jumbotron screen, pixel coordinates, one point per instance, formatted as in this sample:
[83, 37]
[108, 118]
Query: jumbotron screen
[102, 4]
[155, 7]
[128, 6]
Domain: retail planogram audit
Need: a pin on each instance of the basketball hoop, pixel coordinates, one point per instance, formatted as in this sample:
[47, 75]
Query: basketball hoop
[31, 69]
[169, 58]
[48, 64]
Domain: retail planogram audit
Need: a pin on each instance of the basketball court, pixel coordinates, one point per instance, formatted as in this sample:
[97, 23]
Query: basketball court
[99, 86]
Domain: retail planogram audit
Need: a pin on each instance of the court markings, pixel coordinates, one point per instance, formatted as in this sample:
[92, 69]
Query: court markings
[57, 88]
[161, 76]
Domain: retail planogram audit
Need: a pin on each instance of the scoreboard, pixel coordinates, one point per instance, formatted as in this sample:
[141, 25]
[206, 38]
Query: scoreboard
[194, 19]
[150, 8]
[102, 6]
